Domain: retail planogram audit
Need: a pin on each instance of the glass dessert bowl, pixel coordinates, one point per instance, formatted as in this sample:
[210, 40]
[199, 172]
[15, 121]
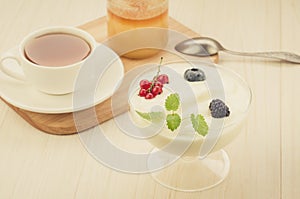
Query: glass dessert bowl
[198, 112]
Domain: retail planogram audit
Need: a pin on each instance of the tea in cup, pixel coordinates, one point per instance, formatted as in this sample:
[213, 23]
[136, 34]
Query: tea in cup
[51, 58]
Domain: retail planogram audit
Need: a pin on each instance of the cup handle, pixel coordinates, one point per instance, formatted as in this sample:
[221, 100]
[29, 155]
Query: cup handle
[4, 68]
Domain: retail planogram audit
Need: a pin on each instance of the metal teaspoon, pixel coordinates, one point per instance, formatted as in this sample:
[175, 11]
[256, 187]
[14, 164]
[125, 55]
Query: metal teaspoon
[205, 46]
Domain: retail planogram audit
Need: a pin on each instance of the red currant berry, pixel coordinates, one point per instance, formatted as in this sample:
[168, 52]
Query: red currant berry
[154, 95]
[157, 90]
[157, 83]
[149, 96]
[143, 92]
[163, 78]
[145, 84]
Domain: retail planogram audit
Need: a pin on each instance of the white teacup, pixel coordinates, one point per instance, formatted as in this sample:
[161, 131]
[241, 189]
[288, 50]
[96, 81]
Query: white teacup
[48, 79]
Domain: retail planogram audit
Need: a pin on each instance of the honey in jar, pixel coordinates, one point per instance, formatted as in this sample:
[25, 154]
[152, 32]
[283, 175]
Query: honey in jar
[134, 17]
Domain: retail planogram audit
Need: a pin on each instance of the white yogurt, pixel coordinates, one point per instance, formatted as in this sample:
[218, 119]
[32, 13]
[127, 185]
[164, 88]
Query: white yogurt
[237, 98]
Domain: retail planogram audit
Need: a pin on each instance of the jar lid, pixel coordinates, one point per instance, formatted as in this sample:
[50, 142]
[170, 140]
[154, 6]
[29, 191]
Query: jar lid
[137, 9]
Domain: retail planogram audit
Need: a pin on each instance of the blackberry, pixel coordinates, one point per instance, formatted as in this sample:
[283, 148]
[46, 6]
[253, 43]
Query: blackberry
[194, 75]
[218, 109]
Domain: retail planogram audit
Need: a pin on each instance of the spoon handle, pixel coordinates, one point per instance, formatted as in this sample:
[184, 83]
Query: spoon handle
[285, 56]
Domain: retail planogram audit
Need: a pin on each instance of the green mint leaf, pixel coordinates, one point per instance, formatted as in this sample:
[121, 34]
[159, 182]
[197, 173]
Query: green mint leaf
[199, 124]
[152, 116]
[172, 102]
[173, 121]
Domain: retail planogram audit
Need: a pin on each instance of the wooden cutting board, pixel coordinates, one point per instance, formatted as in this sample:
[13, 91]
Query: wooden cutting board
[63, 124]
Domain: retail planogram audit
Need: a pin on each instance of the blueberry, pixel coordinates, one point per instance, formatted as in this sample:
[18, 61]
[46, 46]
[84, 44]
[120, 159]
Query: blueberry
[194, 75]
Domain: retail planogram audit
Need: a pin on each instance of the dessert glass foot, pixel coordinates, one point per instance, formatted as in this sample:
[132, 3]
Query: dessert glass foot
[192, 174]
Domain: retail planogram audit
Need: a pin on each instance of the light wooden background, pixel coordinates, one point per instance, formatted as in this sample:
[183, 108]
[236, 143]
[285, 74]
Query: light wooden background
[265, 157]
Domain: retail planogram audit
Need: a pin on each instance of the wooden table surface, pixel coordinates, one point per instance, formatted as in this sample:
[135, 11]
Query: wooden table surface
[265, 157]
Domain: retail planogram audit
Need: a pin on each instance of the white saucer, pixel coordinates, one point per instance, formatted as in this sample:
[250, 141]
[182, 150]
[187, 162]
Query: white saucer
[23, 95]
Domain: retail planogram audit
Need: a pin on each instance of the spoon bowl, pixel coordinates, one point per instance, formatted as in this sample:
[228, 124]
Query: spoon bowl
[199, 46]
